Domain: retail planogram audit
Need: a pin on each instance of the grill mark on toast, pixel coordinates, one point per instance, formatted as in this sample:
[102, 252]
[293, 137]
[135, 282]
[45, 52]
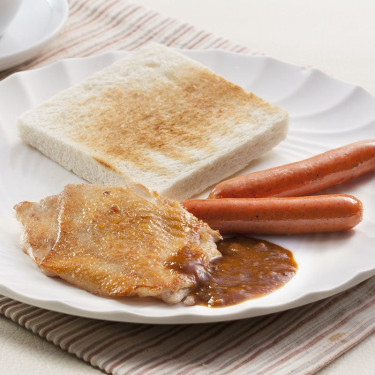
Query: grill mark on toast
[105, 164]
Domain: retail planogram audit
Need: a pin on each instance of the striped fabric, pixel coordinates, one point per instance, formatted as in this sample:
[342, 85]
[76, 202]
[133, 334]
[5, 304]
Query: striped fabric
[298, 341]
[97, 26]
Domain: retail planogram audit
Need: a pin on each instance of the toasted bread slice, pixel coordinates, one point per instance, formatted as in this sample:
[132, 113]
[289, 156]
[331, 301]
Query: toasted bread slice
[157, 118]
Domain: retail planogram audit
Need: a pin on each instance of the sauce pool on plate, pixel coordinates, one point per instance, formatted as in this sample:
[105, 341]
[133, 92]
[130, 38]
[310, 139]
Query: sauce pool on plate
[249, 268]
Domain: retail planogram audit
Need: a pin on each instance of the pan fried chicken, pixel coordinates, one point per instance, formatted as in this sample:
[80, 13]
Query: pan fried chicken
[115, 241]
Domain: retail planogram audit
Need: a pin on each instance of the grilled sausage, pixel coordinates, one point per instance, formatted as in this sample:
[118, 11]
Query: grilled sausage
[287, 215]
[304, 177]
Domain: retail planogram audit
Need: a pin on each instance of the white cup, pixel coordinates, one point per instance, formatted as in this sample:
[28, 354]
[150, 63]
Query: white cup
[8, 10]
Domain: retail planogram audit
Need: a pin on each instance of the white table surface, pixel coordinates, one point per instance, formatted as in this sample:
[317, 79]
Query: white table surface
[336, 36]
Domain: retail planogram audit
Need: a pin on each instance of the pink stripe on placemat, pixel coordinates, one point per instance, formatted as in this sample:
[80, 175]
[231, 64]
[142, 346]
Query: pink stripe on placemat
[298, 341]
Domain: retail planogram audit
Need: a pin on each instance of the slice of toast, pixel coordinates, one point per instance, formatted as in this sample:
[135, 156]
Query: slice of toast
[157, 118]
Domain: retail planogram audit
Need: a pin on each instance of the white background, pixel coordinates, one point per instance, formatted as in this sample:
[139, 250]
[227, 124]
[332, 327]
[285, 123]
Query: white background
[336, 36]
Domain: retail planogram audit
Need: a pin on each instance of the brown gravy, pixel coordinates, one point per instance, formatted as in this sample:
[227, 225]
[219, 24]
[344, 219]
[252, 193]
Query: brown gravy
[249, 268]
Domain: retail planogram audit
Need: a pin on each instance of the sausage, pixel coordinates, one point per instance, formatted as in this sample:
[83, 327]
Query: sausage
[304, 177]
[285, 215]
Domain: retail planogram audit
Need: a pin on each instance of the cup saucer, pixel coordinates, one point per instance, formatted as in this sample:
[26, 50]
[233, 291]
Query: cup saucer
[35, 25]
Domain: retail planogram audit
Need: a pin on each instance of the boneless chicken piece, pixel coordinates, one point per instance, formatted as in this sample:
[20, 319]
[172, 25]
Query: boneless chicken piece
[116, 241]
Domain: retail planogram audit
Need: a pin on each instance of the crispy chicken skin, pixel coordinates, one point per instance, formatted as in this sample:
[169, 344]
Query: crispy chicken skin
[40, 226]
[115, 241]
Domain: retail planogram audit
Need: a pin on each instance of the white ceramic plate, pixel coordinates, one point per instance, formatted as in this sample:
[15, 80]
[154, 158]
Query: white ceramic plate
[35, 25]
[325, 113]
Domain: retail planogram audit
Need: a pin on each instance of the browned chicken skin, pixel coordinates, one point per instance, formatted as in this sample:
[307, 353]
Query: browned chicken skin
[40, 224]
[115, 241]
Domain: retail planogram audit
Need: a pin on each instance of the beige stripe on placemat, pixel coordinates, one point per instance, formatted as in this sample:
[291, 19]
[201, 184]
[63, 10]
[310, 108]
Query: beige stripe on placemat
[299, 341]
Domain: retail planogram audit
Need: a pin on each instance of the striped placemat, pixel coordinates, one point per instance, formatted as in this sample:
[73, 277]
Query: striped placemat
[298, 341]
[97, 26]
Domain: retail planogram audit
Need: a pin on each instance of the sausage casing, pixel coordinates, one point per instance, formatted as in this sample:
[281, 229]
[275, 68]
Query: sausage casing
[304, 177]
[285, 215]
